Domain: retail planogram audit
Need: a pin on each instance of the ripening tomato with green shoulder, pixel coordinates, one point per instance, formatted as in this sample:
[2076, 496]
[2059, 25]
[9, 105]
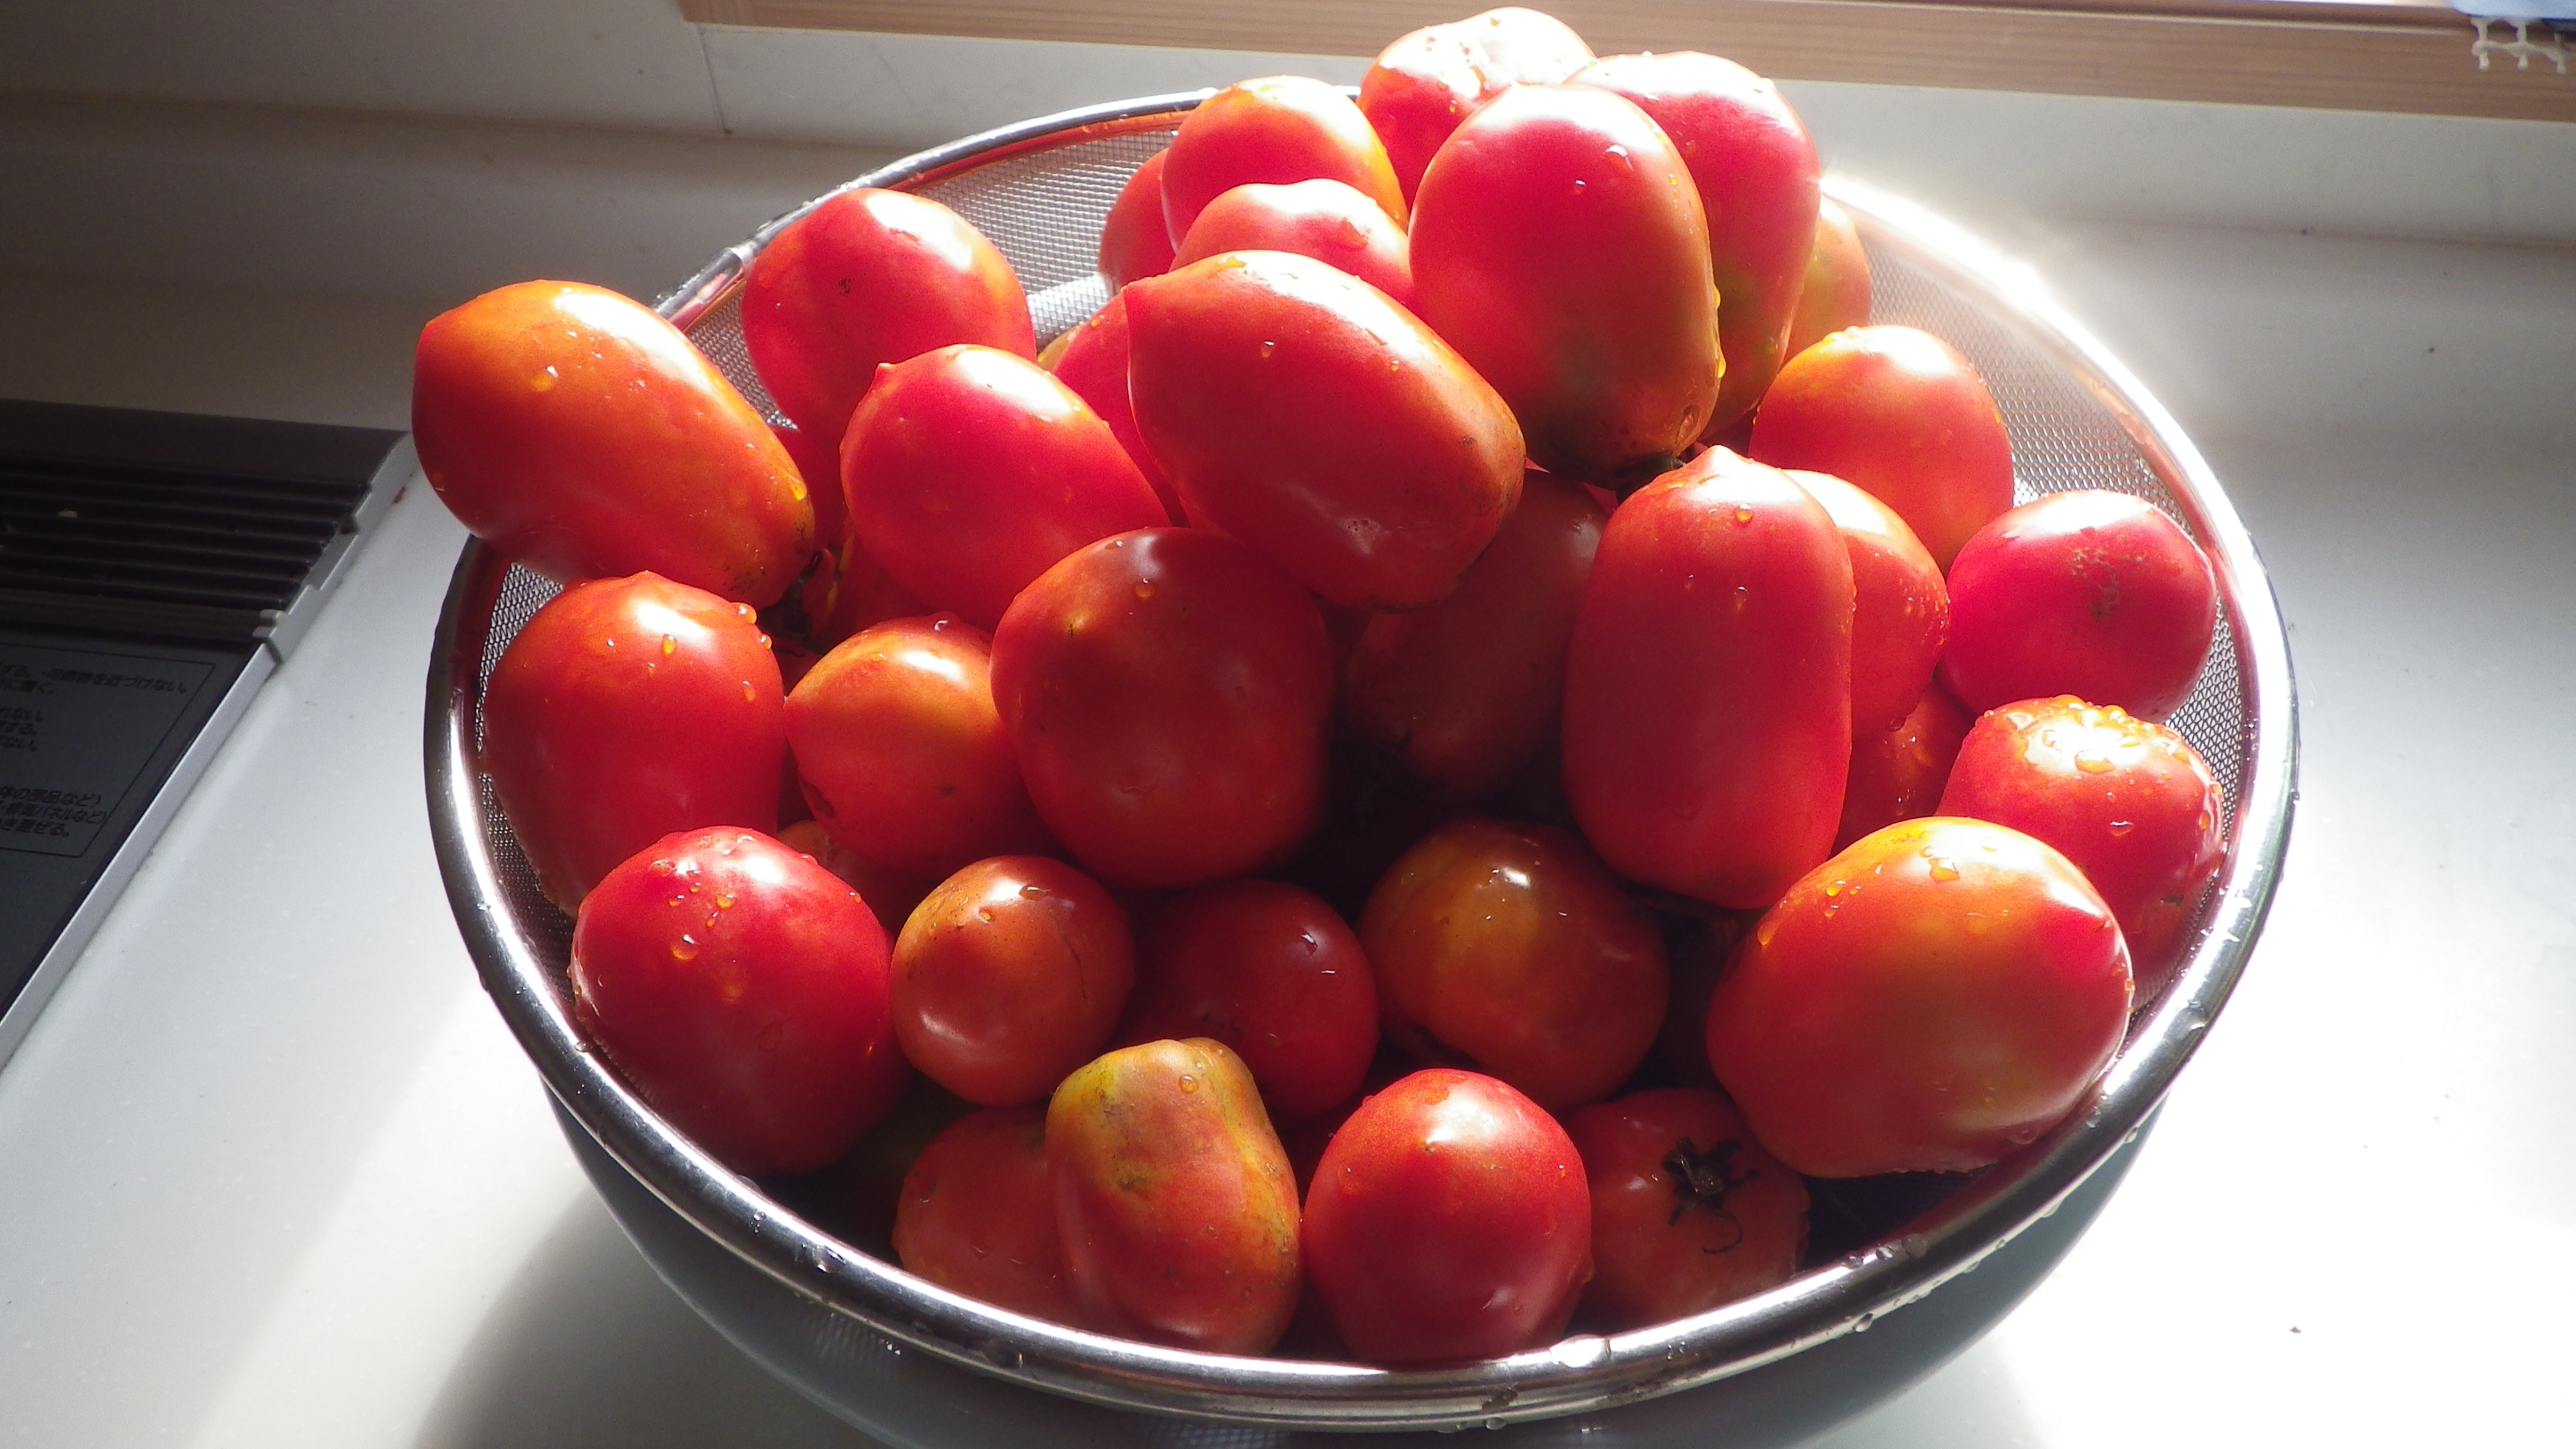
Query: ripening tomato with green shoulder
[741, 990]
[1757, 177]
[2128, 800]
[627, 709]
[1559, 246]
[868, 277]
[1929, 1000]
[1273, 130]
[1304, 412]
[1708, 690]
[1428, 80]
[582, 435]
[1175, 1201]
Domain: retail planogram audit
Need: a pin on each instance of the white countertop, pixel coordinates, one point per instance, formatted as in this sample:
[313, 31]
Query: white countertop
[272, 1173]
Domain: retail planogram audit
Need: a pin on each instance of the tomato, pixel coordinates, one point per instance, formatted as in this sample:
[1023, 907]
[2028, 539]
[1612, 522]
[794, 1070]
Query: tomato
[818, 462]
[740, 989]
[1688, 1212]
[583, 436]
[1167, 692]
[890, 894]
[1266, 968]
[975, 1216]
[1008, 976]
[2091, 593]
[968, 471]
[902, 754]
[1093, 362]
[627, 709]
[869, 277]
[1756, 174]
[1135, 241]
[1558, 244]
[1900, 605]
[1708, 691]
[2128, 800]
[1449, 1220]
[1301, 411]
[1836, 292]
[1930, 999]
[1898, 774]
[1467, 692]
[1900, 414]
[1429, 80]
[1509, 946]
[1326, 220]
[1274, 130]
[1174, 1199]
[854, 593]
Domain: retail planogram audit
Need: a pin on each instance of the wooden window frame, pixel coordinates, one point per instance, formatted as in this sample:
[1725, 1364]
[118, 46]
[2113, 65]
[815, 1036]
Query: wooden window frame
[2369, 55]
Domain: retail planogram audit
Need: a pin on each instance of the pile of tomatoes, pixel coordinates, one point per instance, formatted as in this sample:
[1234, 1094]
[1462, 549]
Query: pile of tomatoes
[1416, 779]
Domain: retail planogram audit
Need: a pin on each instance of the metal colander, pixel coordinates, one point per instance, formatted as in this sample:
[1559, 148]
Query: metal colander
[866, 1338]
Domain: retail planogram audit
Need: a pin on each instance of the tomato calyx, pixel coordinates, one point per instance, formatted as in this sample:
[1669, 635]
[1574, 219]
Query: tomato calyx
[1701, 1181]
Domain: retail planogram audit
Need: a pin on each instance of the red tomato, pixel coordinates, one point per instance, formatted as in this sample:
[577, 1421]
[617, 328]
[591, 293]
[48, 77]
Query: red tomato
[1900, 414]
[1092, 360]
[1326, 220]
[1449, 1220]
[1429, 80]
[890, 894]
[1688, 1212]
[627, 709]
[1268, 969]
[1301, 411]
[866, 278]
[902, 754]
[583, 436]
[1898, 774]
[975, 1216]
[1708, 692]
[2090, 593]
[1932, 998]
[1176, 1204]
[1135, 241]
[1900, 605]
[818, 463]
[1835, 294]
[1558, 244]
[1509, 945]
[1756, 173]
[1167, 692]
[1008, 976]
[740, 989]
[1274, 130]
[1468, 691]
[968, 471]
[2129, 801]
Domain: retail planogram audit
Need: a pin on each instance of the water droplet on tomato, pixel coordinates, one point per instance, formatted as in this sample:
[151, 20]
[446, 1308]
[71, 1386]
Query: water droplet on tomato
[685, 948]
[1144, 588]
[984, 914]
[1618, 156]
[1267, 348]
[2123, 827]
[1033, 892]
[2093, 762]
[1743, 515]
[749, 694]
[1189, 1083]
[670, 645]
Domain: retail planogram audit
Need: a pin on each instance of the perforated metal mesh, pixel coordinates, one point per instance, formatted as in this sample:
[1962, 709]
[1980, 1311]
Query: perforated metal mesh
[1043, 209]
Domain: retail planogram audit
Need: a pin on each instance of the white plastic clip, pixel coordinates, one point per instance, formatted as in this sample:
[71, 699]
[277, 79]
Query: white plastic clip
[2530, 38]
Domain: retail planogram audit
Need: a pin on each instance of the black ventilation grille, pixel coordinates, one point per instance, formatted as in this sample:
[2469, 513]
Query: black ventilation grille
[102, 529]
